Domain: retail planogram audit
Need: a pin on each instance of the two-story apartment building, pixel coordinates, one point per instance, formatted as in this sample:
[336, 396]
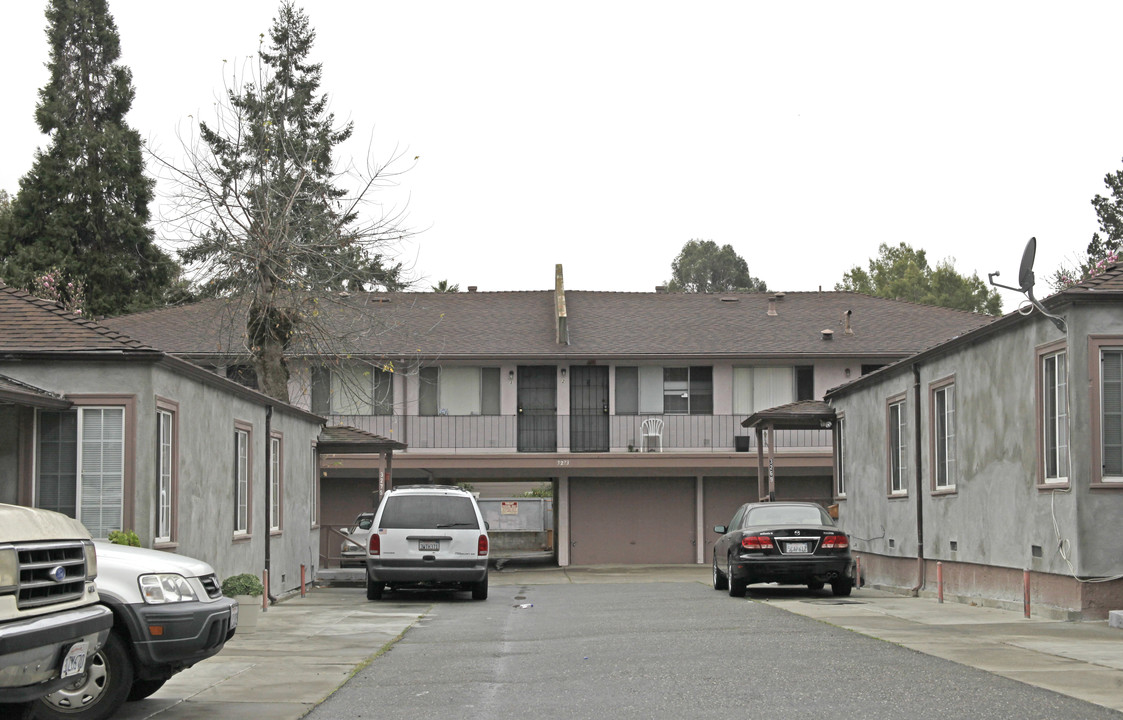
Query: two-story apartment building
[630, 404]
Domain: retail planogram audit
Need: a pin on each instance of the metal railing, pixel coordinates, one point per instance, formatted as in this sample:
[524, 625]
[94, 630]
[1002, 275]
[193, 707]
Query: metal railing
[621, 433]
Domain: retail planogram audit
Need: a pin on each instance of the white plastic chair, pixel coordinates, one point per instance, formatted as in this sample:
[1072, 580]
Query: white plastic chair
[651, 429]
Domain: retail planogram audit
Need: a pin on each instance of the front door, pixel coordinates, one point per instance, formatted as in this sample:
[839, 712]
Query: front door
[538, 408]
[588, 408]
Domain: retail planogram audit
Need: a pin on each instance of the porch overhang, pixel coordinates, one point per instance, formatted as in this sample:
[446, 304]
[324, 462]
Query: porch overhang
[14, 392]
[802, 415]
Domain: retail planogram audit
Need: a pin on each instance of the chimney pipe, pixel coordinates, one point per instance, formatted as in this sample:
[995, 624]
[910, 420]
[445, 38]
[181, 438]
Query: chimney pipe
[772, 305]
[471, 288]
[846, 322]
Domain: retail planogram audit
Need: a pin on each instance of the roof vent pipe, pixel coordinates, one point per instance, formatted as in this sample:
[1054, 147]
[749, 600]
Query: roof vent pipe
[472, 288]
[828, 334]
[846, 322]
[772, 305]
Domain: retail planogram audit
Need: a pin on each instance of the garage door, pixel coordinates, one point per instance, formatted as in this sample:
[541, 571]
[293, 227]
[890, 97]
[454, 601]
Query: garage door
[635, 521]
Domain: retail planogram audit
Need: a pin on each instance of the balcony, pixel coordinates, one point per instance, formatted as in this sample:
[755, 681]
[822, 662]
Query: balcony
[553, 433]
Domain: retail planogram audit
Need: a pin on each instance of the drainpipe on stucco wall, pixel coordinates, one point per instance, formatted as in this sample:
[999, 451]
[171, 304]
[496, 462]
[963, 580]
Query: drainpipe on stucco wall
[268, 498]
[919, 479]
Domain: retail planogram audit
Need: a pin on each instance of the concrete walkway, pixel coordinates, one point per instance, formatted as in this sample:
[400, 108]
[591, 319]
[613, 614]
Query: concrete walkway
[305, 648]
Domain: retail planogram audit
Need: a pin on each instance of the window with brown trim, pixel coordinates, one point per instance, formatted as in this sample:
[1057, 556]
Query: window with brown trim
[243, 479]
[276, 483]
[941, 403]
[167, 470]
[897, 445]
[1052, 409]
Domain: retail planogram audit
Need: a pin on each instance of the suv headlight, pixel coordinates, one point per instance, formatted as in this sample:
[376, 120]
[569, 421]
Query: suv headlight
[166, 588]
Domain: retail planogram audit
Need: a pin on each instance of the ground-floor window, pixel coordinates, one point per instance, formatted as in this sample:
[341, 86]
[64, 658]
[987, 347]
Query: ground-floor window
[80, 462]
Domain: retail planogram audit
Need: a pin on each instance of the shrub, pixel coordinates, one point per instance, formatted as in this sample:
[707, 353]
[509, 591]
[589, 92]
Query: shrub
[124, 537]
[244, 584]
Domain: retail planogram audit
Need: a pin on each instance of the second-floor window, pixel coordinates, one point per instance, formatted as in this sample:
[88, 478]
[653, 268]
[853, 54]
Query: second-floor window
[357, 389]
[761, 388]
[655, 390]
[458, 391]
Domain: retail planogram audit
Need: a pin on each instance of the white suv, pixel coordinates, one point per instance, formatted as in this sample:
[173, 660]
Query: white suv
[427, 536]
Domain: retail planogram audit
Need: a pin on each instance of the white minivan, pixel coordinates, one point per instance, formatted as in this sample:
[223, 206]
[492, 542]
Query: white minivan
[428, 536]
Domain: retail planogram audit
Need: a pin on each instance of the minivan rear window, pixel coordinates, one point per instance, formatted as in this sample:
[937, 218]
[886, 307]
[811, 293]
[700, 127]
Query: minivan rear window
[430, 512]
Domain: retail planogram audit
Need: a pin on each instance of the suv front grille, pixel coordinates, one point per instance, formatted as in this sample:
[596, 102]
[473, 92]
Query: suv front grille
[50, 573]
[210, 584]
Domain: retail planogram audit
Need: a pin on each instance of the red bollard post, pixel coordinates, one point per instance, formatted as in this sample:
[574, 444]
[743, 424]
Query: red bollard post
[858, 572]
[265, 595]
[302, 592]
[1025, 590]
[939, 582]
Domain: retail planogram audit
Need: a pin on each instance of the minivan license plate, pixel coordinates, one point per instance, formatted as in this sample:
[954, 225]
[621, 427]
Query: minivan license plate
[75, 661]
[432, 545]
[799, 547]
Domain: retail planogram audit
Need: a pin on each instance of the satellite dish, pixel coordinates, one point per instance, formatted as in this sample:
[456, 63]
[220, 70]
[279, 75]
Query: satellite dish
[1025, 272]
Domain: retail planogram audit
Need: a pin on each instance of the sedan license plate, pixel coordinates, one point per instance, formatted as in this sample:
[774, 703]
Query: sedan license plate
[75, 661]
[431, 545]
[794, 548]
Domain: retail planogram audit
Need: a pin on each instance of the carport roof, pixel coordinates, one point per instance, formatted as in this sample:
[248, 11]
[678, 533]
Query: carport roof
[805, 414]
[347, 439]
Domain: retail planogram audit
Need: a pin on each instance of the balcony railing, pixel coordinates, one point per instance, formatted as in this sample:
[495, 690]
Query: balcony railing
[613, 433]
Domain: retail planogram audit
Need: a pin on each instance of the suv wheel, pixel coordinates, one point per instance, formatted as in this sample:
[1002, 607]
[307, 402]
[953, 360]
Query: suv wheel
[97, 694]
[374, 589]
[479, 590]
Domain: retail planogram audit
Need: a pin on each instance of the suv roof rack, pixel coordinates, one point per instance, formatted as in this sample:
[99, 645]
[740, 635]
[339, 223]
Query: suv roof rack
[426, 487]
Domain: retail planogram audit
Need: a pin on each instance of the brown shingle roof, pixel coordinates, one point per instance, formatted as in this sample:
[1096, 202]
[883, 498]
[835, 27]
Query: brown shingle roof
[601, 324]
[31, 325]
[344, 439]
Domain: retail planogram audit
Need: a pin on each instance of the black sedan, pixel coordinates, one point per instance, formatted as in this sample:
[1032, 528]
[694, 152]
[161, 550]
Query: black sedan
[790, 543]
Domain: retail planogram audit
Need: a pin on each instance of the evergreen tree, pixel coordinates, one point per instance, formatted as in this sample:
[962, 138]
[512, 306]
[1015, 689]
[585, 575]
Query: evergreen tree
[903, 273]
[1104, 249]
[280, 234]
[702, 266]
[83, 207]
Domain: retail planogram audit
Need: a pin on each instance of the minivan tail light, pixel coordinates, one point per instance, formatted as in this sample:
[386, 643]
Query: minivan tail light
[756, 542]
[482, 546]
[375, 544]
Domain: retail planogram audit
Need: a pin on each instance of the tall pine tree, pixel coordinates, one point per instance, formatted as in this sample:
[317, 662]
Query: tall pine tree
[281, 234]
[83, 208]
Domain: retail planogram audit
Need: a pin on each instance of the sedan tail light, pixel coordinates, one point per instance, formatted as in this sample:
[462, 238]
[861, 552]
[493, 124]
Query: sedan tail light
[835, 542]
[756, 542]
[482, 545]
[375, 544]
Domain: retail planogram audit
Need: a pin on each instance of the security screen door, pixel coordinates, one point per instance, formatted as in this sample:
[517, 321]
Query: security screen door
[588, 408]
[538, 408]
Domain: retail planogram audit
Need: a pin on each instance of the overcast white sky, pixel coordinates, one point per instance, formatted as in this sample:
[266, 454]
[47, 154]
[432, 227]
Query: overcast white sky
[604, 135]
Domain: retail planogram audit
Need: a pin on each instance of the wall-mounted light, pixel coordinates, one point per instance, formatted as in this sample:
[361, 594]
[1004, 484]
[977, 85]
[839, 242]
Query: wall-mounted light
[847, 372]
[510, 376]
[563, 374]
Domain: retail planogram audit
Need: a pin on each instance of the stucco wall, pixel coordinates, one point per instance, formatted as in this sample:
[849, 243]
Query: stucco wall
[997, 515]
[205, 486]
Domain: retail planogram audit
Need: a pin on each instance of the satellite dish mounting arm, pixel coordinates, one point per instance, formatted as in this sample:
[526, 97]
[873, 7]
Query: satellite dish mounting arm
[1026, 280]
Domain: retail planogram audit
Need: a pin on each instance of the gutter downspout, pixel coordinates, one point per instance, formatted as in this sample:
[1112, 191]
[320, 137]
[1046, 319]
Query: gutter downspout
[915, 591]
[268, 497]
